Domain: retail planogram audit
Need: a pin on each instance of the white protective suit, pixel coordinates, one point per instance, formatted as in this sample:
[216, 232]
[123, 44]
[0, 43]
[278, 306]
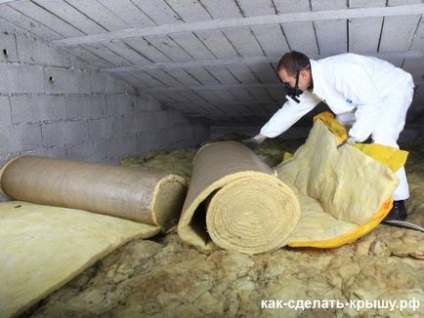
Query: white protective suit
[372, 94]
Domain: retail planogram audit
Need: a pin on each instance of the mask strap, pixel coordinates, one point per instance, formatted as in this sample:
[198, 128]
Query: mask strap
[296, 90]
[297, 79]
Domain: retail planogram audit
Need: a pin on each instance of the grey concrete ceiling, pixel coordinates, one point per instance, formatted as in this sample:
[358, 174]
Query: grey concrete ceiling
[216, 58]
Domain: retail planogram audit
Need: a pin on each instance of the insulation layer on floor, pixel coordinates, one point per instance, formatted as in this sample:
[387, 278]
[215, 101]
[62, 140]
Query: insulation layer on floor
[44, 247]
[79, 212]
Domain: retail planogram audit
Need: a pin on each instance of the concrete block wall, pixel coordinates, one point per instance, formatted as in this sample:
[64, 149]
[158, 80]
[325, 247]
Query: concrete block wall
[53, 103]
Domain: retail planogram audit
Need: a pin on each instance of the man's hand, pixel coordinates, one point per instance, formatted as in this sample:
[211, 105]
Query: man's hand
[351, 140]
[254, 142]
[348, 141]
[346, 119]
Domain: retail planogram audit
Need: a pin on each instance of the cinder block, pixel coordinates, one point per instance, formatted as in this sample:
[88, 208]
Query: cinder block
[131, 80]
[8, 51]
[141, 105]
[98, 106]
[366, 3]
[67, 81]
[27, 136]
[131, 86]
[118, 104]
[163, 140]
[146, 142]
[202, 132]
[64, 133]
[129, 125]
[178, 118]
[53, 152]
[175, 137]
[87, 57]
[85, 106]
[5, 112]
[77, 62]
[121, 147]
[21, 79]
[36, 108]
[96, 151]
[153, 121]
[77, 106]
[33, 51]
[6, 144]
[146, 104]
[104, 83]
[117, 126]
[183, 138]
[149, 122]
[100, 129]
[17, 138]
[134, 123]
[164, 119]
[186, 136]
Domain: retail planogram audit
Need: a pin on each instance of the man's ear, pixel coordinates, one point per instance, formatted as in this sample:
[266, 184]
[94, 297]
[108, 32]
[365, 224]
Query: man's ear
[304, 73]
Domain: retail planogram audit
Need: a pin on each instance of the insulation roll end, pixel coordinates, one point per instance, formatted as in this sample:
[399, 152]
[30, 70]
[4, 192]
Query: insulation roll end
[253, 217]
[168, 200]
[2, 170]
[235, 202]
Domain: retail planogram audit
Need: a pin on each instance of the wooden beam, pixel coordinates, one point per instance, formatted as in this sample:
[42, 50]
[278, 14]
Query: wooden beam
[415, 9]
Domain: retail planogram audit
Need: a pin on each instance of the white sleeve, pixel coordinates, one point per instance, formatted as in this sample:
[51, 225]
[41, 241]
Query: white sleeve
[289, 114]
[369, 103]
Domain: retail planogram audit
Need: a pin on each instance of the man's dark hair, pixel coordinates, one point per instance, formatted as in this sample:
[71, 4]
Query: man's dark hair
[292, 62]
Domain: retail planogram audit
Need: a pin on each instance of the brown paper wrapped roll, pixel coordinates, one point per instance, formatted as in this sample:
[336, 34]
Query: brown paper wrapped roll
[146, 196]
[235, 201]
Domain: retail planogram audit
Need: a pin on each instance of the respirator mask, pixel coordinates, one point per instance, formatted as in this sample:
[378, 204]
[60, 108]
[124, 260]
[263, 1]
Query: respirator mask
[294, 92]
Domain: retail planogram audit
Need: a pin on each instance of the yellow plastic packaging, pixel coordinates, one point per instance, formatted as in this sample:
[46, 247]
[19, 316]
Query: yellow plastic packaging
[391, 157]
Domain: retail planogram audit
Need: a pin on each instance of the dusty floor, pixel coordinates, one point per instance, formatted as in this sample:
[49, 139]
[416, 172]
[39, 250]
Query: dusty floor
[380, 275]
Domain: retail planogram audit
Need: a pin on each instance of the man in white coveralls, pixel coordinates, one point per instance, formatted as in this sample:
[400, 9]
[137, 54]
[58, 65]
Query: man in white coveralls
[370, 94]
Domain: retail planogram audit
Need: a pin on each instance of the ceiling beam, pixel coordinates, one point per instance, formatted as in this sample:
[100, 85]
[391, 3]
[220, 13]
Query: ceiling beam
[152, 90]
[3, 2]
[191, 64]
[212, 87]
[415, 9]
[243, 60]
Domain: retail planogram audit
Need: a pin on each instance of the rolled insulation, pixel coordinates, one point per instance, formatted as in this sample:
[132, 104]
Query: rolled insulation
[145, 196]
[234, 201]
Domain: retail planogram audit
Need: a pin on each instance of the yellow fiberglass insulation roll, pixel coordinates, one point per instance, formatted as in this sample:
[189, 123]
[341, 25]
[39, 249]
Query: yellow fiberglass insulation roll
[146, 196]
[324, 196]
[236, 202]
[48, 235]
